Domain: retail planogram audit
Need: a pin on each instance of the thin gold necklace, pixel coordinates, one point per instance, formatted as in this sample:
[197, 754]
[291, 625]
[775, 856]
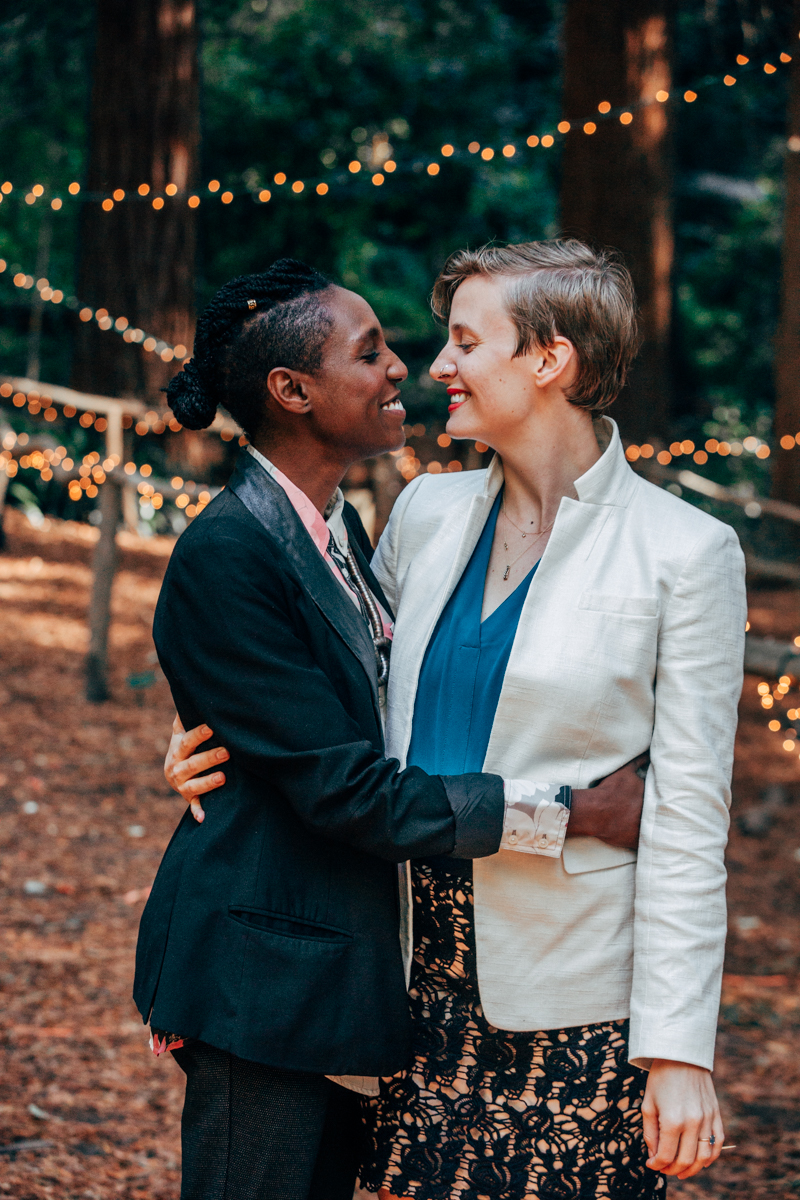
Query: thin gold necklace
[536, 537]
[516, 560]
[525, 533]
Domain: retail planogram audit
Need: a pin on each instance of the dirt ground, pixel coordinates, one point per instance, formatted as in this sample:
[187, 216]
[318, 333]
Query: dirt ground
[85, 1110]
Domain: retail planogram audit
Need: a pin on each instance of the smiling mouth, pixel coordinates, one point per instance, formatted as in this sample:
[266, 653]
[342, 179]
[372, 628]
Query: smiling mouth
[457, 398]
[395, 405]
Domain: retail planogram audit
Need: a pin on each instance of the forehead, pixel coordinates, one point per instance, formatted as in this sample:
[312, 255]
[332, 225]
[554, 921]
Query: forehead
[354, 318]
[480, 302]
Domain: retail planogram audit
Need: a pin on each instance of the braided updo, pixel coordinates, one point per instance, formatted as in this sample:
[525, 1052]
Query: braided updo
[252, 325]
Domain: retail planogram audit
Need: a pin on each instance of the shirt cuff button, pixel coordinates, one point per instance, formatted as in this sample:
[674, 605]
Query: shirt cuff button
[512, 837]
[544, 841]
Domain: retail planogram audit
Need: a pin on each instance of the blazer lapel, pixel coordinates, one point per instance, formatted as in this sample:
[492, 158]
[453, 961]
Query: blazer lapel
[269, 504]
[432, 578]
[603, 491]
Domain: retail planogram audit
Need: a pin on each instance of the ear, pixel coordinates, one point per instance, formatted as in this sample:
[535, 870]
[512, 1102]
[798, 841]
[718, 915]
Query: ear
[288, 389]
[554, 364]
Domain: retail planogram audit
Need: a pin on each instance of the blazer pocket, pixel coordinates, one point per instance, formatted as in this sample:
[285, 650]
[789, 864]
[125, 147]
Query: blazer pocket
[583, 854]
[628, 606]
[287, 926]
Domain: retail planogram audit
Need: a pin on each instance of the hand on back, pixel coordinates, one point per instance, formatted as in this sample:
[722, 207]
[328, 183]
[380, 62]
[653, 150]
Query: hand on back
[183, 768]
[612, 809]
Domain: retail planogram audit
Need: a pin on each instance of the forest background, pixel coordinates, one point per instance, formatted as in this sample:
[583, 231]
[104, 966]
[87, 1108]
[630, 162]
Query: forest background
[305, 87]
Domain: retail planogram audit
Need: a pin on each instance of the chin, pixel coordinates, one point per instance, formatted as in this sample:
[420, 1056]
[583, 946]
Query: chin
[390, 440]
[460, 426]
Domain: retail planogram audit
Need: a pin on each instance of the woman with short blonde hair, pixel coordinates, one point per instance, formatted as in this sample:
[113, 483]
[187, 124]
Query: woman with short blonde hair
[556, 615]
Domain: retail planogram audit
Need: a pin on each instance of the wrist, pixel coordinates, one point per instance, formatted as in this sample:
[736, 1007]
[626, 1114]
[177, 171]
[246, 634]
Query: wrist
[672, 1064]
[581, 813]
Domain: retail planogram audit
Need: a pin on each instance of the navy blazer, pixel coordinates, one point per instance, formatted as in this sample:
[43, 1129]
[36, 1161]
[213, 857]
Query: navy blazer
[272, 927]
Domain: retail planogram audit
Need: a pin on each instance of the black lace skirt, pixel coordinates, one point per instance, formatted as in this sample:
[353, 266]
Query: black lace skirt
[484, 1114]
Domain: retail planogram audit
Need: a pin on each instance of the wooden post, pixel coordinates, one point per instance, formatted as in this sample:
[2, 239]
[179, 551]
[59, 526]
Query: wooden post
[104, 565]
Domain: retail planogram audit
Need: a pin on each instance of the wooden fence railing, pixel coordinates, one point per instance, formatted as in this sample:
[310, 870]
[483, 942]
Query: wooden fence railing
[118, 493]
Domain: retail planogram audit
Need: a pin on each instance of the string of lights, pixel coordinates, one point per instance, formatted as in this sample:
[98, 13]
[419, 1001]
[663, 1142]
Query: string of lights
[167, 352]
[378, 161]
[50, 460]
[93, 471]
[782, 721]
[700, 454]
[118, 325]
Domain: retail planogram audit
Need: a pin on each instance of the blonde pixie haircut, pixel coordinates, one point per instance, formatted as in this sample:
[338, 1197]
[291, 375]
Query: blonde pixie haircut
[560, 287]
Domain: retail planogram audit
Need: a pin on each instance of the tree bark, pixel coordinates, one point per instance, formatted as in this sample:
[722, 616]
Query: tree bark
[136, 261]
[786, 464]
[617, 183]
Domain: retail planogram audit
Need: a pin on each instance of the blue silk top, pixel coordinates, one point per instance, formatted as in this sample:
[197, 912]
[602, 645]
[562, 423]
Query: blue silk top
[463, 670]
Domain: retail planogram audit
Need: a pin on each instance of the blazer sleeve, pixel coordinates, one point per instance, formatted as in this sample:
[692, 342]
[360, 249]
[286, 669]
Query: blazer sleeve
[229, 640]
[680, 913]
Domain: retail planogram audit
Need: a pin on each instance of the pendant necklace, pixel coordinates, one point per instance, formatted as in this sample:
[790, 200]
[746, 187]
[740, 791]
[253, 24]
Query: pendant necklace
[536, 537]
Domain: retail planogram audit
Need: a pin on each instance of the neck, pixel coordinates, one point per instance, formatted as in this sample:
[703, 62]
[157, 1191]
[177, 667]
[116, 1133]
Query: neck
[542, 462]
[310, 467]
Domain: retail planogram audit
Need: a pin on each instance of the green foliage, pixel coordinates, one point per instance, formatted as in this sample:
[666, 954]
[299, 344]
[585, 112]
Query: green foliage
[45, 80]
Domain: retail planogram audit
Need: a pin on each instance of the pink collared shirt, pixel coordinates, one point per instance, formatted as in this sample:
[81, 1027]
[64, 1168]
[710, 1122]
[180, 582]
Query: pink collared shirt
[320, 530]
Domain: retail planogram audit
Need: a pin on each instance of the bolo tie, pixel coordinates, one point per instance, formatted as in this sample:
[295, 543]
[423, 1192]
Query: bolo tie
[351, 573]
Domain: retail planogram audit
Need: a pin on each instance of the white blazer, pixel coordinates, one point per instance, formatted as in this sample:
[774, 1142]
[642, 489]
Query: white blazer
[631, 636]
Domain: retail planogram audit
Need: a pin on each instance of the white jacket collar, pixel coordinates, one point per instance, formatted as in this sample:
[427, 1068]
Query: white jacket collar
[609, 481]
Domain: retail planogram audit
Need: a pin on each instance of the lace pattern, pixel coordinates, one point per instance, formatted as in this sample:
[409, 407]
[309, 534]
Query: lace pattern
[484, 1114]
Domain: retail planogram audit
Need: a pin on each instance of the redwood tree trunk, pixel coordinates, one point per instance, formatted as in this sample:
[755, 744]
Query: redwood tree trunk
[786, 468]
[617, 183]
[135, 261]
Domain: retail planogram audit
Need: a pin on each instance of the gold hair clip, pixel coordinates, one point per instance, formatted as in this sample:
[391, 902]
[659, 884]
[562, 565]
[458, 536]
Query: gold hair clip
[251, 304]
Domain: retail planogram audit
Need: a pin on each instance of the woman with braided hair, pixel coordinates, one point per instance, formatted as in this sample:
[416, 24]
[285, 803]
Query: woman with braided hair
[269, 960]
[557, 615]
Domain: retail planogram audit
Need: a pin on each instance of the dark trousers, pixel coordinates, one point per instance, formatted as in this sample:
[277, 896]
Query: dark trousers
[252, 1132]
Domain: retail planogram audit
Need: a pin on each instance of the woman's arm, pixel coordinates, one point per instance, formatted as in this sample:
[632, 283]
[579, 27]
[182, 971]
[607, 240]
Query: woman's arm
[680, 914]
[227, 634]
[610, 811]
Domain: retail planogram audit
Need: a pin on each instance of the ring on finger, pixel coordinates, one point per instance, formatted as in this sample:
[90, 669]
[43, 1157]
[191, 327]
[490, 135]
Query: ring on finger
[712, 1141]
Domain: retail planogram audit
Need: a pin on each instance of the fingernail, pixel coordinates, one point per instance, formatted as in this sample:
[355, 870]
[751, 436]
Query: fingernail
[219, 777]
[221, 754]
[206, 732]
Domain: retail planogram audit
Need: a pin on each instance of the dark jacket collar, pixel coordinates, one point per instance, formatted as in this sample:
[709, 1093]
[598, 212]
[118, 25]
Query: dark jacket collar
[269, 504]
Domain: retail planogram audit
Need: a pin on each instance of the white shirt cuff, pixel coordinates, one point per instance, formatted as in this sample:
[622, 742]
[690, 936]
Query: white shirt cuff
[537, 815]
